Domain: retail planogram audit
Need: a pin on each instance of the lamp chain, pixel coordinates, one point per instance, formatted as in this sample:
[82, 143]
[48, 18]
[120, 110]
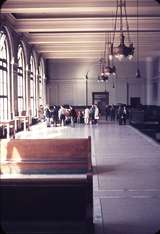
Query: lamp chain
[137, 36]
[121, 17]
[115, 24]
[127, 25]
[105, 49]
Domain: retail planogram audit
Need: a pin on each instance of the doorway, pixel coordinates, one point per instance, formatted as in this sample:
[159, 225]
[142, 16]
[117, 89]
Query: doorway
[101, 99]
[135, 101]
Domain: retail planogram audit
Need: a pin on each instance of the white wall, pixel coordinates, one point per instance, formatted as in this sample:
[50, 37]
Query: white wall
[67, 83]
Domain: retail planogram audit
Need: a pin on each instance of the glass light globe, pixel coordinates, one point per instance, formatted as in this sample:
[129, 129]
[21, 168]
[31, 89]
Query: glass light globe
[110, 57]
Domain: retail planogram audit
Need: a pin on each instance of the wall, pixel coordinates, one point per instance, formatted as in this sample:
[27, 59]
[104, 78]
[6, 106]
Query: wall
[67, 83]
[153, 81]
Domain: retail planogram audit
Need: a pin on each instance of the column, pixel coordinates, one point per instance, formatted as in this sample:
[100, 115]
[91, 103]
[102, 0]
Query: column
[27, 80]
[87, 89]
[149, 74]
[14, 89]
[44, 80]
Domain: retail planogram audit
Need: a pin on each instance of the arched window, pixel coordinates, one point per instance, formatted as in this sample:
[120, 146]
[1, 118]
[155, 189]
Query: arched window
[4, 77]
[32, 86]
[21, 80]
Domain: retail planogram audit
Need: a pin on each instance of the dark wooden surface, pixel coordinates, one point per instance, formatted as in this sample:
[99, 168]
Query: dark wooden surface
[67, 205]
[33, 201]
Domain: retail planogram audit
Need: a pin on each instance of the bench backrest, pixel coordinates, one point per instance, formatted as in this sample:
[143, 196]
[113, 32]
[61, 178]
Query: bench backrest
[52, 151]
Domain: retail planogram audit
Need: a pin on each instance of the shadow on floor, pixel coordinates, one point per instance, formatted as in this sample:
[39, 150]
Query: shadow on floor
[100, 169]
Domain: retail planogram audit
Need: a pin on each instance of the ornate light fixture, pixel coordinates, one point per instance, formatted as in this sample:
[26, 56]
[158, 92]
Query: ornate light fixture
[122, 50]
[138, 73]
[106, 70]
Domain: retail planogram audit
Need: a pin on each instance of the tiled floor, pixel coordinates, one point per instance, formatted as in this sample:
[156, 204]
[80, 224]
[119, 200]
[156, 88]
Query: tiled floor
[127, 176]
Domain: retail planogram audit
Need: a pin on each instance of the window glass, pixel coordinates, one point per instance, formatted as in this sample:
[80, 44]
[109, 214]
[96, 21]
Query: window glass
[4, 82]
[21, 80]
[32, 86]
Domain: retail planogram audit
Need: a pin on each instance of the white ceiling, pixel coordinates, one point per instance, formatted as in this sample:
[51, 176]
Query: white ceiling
[75, 30]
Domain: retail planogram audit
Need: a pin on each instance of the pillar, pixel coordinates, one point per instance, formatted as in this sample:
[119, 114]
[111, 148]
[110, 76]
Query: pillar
[149, 74]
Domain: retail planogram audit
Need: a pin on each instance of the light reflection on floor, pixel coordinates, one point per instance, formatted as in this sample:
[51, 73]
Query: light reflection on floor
[41, 131]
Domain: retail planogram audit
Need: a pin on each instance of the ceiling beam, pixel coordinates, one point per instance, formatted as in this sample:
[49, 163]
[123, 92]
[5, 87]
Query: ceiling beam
[83, 25]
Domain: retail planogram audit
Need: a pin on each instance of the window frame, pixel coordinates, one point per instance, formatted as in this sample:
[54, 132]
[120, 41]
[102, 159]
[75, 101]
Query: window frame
[4, 75]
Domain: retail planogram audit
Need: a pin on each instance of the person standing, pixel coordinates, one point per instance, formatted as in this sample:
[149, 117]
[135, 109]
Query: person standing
[86, 115]
[73, 116]
[107, 112]
[47, 116]
[112, 113]
[55, 115]
[92, 114]
[61, 115]
[96, 114]
[122, 115]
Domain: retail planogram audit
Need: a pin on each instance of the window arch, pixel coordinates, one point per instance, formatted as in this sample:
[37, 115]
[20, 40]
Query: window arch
[4, 75]
[32, 86]
[21, 79]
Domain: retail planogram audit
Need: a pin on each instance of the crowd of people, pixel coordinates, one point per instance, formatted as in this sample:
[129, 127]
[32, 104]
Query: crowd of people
[62, 115]
[118, 113]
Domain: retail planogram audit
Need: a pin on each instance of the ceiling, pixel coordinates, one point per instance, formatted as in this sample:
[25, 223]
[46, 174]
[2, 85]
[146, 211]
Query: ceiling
[75, 30]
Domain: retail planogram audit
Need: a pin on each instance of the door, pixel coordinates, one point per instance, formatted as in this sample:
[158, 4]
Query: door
[101, 99]
[135, 101]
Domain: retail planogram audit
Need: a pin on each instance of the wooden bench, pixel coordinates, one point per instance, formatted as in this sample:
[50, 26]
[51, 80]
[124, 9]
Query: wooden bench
[22, 120]
[9, 126]
[47, 156]
[60, 201]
